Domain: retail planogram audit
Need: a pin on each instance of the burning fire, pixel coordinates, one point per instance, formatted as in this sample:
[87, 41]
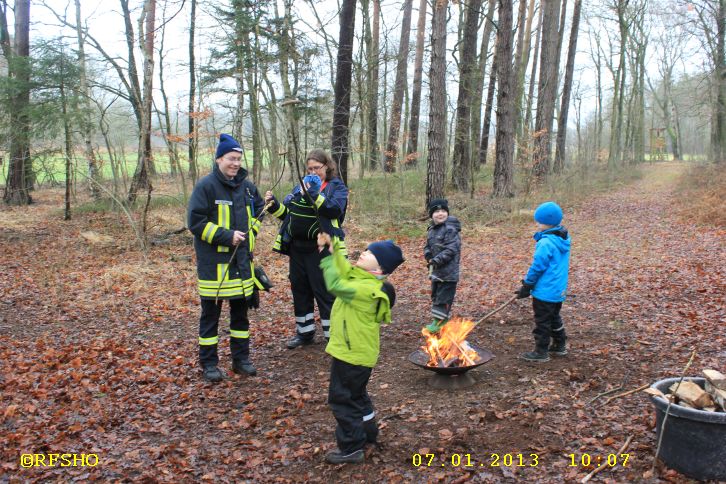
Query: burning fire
[448, 347]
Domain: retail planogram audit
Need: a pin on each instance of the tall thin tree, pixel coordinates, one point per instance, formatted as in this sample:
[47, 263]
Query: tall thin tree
[504, 164]
[436, 169]
[547, 89]
[343, 74]
[17, 189]
[567, 89]
[401, 77]
[462, 170]
[412, 151]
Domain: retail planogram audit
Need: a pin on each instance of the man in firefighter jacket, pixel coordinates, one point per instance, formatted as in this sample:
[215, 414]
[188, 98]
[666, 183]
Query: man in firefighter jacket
[302, 220]
[223, 212]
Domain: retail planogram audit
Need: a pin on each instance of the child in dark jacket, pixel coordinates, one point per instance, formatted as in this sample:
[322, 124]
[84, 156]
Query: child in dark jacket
[442, 253]
[363, 301]
[546, 282]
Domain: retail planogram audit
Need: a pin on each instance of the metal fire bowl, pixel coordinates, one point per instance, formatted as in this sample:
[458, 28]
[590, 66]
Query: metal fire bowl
[419, 358]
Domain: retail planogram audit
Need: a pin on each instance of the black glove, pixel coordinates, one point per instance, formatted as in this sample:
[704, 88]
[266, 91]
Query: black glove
[524, 291]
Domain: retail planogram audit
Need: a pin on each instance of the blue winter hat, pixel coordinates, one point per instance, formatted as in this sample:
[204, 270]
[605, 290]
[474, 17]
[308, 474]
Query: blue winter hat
[549, 213]
[226, 144]
[388, 255]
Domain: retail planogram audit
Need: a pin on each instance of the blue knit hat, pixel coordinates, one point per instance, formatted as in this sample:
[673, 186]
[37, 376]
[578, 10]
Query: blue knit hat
[226, 144]
[388, 255]
[549, 213]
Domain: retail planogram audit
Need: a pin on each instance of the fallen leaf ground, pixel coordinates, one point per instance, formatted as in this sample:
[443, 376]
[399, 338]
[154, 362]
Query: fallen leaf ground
[98, 355]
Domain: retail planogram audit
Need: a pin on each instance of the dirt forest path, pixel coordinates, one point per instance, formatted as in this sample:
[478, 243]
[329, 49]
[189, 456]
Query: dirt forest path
[98, 355]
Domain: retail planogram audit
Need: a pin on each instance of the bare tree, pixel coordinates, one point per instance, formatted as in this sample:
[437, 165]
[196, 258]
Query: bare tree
[402, 63]
[462, 171]
[373, 61]
[436, 169]
[504, 164]
[17, 189]
[412, 151]
[547, 88]
[567, 89]
[341, 109]
[86, 125]
[141, 176]
[476, 101]
[484, 144]
[192, 106]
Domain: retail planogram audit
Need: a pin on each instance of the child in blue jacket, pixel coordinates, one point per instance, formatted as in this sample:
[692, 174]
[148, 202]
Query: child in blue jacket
[546, 282]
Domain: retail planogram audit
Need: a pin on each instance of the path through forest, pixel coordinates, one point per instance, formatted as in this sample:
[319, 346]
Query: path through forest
[98, 354]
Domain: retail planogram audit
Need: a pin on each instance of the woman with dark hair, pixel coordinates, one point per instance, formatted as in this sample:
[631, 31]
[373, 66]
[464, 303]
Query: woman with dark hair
[305, 213]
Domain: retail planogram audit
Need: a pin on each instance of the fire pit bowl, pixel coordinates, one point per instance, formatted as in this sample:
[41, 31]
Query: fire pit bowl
[453, 377]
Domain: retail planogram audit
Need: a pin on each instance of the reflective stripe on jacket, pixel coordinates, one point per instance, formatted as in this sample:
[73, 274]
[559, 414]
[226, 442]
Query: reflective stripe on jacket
[217, 208]
[331, 204]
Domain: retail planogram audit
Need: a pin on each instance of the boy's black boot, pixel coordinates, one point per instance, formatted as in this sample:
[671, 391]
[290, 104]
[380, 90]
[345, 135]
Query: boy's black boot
[558, 348]
[538, 355]
[338, 457]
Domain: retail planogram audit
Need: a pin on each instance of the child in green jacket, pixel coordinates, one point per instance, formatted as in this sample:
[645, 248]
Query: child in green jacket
[363, 301]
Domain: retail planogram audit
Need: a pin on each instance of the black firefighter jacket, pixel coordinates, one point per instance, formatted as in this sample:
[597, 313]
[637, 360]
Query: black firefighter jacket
[217, 208]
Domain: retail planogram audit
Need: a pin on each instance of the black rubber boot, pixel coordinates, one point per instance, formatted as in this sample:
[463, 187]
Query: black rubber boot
[212, 374]
[244, 367]
[558, 348]
[539, 356]
[337, 457]
[298, 341]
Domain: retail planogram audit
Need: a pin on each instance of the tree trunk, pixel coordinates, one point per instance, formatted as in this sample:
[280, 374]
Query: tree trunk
[17, 189]
[719, 139]
[484, 146]
[143, 167]
[171, 147]
[547, 89]
[521, 70]
[68, 149]
[461, 172]
[527, 124]
[504, 164]
[436, 169]
[476, 101]
[192, 119]
[285, 45]
[373, 65]
[412, 151]
[86, 125]
[401, 77]
[567, 89]
[616, 119]
[341, 109]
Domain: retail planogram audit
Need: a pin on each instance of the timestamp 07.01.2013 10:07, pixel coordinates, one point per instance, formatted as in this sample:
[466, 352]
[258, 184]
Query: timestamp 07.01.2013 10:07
[584, 460]
[473, 460]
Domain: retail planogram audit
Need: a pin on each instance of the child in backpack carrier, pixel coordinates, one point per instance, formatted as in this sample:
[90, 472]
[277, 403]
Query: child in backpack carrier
[442, 253]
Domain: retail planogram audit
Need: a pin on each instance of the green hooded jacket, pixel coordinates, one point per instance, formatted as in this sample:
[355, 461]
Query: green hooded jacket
[359, 309]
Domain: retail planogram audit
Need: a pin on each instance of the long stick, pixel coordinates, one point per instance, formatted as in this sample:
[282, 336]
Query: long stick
[629, 392]
[492, 313]
[622, 449]
[670, 402]
[229, 263]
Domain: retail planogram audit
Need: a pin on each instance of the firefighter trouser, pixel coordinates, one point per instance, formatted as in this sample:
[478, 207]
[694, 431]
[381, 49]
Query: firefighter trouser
[308, 287]
[351, 405]
[548, 324]
[442, 298]
[239, 331]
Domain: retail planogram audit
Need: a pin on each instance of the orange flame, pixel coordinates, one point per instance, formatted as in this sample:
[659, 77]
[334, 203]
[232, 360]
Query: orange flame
[448, 347]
